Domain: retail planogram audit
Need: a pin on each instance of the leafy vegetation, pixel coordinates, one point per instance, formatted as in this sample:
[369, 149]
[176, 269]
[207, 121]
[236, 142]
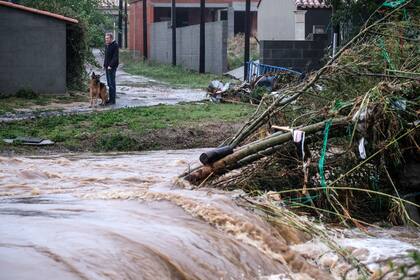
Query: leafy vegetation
[86, 12]
[351, 15]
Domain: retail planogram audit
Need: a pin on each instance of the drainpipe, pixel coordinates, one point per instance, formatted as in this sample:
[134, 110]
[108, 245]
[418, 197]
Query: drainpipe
[114, 30]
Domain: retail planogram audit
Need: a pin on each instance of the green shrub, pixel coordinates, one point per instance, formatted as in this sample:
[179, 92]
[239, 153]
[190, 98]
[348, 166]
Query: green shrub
[117, 142]
[26, 93]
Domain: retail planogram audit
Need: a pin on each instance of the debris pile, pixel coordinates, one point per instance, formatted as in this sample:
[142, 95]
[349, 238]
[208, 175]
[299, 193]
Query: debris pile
[340, 142]
[252, 92]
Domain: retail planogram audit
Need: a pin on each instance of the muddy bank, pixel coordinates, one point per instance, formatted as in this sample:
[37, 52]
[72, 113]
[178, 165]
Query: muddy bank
[206, 134]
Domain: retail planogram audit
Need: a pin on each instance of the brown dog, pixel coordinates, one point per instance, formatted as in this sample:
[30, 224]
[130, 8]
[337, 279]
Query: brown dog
[97, 90]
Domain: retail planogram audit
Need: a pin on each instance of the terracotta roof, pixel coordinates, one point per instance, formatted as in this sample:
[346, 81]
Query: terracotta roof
[312, 4]
[39, 12]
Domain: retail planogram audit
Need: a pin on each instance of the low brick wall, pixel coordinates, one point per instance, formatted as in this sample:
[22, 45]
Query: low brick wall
[302, 56]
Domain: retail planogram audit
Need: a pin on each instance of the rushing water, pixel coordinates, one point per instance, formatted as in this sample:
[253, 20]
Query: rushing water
[119, 216]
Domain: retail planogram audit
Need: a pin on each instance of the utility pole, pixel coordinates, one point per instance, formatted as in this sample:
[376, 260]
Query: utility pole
[120, 12]
[125, 24]
[173, 18]
[202, 37]
[145, 29]
[247, 31]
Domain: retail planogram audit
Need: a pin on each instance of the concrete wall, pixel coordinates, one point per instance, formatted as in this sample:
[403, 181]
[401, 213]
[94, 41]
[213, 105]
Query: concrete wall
[32, 52]
[298, 55]
[188, 45]
[231, 22]
[276, 20]
[135, 31]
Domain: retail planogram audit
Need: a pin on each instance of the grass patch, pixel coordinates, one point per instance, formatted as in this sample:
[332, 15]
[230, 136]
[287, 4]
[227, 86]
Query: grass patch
[175, 76]
[121, 130]
[25, 99]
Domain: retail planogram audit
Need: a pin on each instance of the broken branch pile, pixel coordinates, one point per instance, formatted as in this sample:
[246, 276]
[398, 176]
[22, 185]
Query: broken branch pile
[353, 123]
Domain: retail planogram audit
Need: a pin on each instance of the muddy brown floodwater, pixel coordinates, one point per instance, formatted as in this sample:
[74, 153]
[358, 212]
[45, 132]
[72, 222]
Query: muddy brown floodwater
[120, 216]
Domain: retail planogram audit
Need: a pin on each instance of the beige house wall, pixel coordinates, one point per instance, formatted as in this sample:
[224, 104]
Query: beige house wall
[276, 20]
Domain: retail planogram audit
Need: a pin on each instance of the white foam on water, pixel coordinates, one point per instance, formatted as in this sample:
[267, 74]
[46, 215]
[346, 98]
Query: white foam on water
[379, 248]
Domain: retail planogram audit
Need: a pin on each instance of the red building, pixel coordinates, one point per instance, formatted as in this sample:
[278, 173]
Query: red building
[187, 13]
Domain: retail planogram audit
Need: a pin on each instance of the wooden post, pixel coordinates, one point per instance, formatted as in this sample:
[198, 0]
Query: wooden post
[173, 17]
[145, 29]
[202, 37]
[247, 31]
[120, 12]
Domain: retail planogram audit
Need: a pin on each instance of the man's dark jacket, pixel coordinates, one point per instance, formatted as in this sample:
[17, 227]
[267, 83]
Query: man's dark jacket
[111, 55]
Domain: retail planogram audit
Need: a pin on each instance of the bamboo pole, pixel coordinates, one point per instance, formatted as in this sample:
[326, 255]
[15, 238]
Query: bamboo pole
[254, 148]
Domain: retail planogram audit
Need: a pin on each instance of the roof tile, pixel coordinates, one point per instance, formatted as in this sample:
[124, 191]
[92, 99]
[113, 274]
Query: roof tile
[312, 4]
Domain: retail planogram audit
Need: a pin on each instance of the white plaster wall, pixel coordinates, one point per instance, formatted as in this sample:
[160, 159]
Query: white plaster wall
[276, 20]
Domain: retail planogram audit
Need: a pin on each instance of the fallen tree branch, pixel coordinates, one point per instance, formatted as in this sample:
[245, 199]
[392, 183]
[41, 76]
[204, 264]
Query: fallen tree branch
[230, 161]
[248, 130]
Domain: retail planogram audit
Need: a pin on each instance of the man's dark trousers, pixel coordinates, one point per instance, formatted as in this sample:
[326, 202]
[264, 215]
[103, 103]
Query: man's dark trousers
[110, 80]
[111, 61]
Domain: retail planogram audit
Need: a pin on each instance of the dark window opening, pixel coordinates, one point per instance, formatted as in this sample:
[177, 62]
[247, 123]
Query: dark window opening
[184, 16]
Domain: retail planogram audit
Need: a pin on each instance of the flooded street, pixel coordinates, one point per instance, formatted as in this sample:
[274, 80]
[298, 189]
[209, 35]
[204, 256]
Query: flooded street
[120, 216]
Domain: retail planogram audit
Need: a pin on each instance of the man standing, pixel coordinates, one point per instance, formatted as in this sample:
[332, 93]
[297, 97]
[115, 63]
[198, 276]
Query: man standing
[111, 64]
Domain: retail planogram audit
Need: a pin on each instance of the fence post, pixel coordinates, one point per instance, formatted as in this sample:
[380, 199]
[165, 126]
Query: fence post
[145, 51]
[120, 15]
[173, 18]
[202, 37]
[247, 30]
